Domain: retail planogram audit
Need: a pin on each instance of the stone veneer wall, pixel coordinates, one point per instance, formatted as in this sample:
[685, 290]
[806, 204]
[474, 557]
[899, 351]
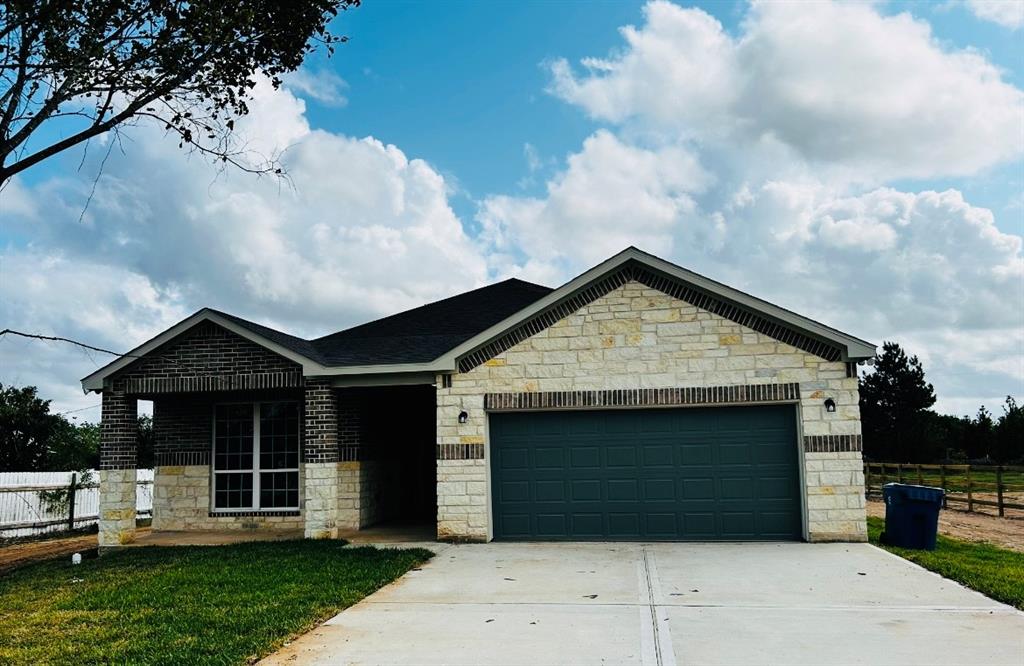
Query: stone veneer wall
[359, 493]
[636, 337]
[181, 501]
[117, 507]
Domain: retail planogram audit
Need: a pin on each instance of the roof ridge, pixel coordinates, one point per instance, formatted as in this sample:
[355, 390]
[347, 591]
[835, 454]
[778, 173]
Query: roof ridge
[462, 294]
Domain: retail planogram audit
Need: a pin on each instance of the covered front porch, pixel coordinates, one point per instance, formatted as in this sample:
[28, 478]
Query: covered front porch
[246, 444]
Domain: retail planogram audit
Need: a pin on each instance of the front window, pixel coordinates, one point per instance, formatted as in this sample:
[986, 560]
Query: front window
[256, 456]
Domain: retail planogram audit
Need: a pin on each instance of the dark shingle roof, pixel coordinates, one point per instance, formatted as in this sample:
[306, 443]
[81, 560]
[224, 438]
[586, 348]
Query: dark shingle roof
[295, 344]
[415, 336]
[424, 333]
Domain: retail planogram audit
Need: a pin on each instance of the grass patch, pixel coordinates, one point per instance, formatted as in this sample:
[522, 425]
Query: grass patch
[178, 605]
[995, 572]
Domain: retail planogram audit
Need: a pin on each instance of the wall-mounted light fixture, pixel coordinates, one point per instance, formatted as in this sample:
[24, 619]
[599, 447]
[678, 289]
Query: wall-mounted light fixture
[830, 405]
[463, 417]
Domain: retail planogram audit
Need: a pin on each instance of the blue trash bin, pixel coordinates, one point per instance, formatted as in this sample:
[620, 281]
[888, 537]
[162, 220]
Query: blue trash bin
[911, 515]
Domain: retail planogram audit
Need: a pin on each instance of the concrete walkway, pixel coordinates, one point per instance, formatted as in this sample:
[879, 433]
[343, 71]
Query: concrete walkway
[663, 604]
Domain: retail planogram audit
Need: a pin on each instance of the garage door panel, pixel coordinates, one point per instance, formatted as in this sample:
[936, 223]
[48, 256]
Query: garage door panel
[549, 491]
[548, 457]
[666, 474]
[585, 457]
[587, 525]
[552, 525]
[767, 454]
[621, 456]
[739, 524]
[661, 525]
[735, 453]
[514, 491]
[696, 454]
[777, 523]
[514, 458]
[515, 525]
[698, 489]
[778, 487]
[659, 490]
[699, 525]
[623, 490]
[657, 455]
[585, 490]
[741, 487]
[624, 525]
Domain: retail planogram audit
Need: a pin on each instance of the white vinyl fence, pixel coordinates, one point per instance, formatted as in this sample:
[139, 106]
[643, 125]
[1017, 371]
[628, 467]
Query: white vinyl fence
[22, 512]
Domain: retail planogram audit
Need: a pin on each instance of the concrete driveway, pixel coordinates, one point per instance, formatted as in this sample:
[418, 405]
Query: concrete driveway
[667, 604]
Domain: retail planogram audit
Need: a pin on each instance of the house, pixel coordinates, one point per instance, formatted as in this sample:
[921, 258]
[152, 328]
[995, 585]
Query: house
[639, 401]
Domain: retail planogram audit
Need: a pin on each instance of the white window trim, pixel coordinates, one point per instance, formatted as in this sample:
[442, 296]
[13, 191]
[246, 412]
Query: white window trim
[256, 469]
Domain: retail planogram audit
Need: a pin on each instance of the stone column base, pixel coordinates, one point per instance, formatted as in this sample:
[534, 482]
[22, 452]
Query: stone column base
[321, 507]
[117, 507]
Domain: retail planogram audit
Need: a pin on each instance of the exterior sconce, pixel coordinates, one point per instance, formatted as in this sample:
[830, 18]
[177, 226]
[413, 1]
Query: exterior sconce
[463, 416]
[830, 405]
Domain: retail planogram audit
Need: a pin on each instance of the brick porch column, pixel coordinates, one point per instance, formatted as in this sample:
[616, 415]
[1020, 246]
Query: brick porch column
[321, 460]
[119, 431]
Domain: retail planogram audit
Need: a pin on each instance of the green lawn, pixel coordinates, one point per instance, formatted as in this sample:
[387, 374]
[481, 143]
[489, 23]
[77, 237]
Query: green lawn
[183, 605]
[995, 572]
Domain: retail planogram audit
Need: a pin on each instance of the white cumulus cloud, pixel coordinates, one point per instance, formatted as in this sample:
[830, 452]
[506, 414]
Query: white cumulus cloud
[840, 84]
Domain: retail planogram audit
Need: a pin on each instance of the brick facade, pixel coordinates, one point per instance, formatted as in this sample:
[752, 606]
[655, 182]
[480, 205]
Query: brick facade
[182, 430]
[634, 345]
[119, 432]
[119, 429]
[208, 357]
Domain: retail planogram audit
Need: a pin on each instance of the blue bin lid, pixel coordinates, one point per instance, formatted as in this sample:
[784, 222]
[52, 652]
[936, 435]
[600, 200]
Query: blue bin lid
[913, 493]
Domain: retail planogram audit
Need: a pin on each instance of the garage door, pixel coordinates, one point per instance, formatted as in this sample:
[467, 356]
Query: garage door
[724, 473]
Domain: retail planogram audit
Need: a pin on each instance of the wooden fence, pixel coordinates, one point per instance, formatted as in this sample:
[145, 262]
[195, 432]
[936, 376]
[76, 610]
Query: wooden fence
[23, 513]
[968, 487]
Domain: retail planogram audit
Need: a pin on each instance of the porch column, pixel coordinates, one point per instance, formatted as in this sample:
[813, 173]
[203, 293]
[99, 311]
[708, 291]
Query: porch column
[119, 431]
[321, 460]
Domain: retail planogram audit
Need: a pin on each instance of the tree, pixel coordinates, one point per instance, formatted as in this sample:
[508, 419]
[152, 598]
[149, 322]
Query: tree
[34, 440]
[145, 457]
[1009, 434]
[26, 428]
[979, 435]
[894, 400]
[82, 68]
[74, 447]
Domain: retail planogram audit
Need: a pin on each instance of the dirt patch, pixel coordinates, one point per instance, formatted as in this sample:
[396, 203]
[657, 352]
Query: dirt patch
[26, 552]
[1005, 532]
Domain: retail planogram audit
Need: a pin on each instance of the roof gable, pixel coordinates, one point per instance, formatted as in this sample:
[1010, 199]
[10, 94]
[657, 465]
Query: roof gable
[632, 264]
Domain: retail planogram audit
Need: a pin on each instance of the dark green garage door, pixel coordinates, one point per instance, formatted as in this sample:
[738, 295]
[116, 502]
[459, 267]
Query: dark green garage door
[725, 473]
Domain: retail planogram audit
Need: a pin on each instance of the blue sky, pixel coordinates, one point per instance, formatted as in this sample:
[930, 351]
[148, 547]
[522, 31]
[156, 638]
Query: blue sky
[861, 164]
[462, 84]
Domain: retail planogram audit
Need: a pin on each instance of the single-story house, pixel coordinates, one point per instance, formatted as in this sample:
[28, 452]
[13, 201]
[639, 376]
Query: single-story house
[638, 401]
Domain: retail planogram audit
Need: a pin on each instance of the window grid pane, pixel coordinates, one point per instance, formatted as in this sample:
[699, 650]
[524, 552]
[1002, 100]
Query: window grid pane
[233, 491]
[234, 439]
[279, 489]
[236, 464]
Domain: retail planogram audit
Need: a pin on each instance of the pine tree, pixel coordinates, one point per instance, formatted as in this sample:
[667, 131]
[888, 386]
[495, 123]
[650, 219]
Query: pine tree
[894, 400]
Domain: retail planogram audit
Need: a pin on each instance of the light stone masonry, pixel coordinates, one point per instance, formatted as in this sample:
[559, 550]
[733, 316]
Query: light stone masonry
[117, 507]
[462, 500]
[181, 501]
[359, 493]
[638, 337]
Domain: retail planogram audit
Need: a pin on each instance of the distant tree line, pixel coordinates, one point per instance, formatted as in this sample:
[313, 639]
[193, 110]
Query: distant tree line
[900, 426]
[33, 439]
